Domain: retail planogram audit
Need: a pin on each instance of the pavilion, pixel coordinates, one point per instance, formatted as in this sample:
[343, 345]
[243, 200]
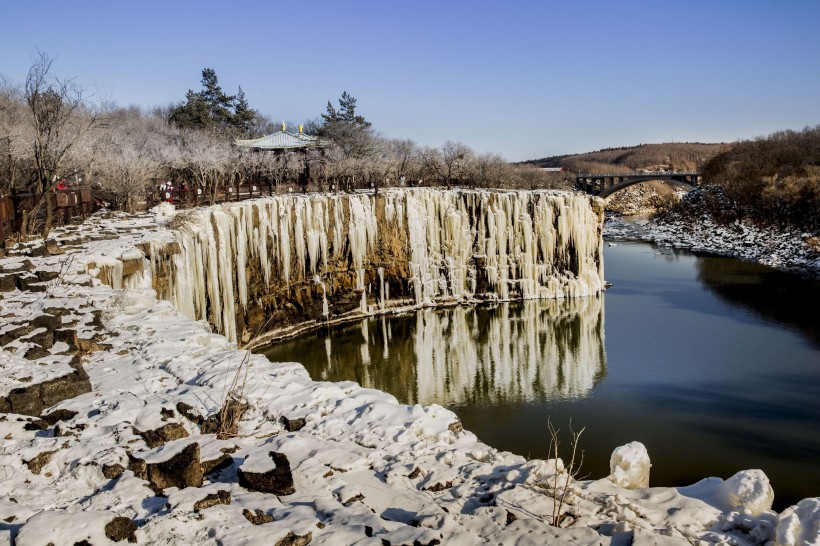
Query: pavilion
[282, 141]
[285, 142]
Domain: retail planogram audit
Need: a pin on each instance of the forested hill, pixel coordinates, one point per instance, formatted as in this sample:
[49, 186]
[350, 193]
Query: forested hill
[681, 156]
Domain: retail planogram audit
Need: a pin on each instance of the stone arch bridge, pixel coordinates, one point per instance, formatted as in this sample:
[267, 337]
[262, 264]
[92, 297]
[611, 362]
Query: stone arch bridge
[604, 185]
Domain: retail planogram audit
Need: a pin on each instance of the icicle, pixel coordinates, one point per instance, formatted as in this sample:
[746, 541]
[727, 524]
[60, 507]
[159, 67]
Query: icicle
[522, 243]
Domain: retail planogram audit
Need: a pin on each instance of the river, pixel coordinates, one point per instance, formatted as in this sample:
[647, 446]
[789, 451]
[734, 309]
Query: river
[711, 362]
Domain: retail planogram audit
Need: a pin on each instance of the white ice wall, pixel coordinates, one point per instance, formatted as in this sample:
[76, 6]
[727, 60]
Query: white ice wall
[523, 238]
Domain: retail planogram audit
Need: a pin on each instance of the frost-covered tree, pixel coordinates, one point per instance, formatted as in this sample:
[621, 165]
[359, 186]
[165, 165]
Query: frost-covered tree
[60, 121]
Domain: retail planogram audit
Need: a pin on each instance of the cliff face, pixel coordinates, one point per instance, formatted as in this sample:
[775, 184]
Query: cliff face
[271, 264]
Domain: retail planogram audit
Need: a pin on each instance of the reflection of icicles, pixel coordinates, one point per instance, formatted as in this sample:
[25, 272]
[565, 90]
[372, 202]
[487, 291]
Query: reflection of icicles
[550, 349]
[385, 339]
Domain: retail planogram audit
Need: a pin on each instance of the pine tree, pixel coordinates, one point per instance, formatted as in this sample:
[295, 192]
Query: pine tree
[212, 109]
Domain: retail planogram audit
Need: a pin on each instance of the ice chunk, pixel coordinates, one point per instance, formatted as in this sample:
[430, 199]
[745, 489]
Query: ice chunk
[629, 466]
[799, 524]
[748, 490]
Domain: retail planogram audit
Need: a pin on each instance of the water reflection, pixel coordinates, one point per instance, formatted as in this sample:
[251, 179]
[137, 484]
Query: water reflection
[775, 295]
[466, 356]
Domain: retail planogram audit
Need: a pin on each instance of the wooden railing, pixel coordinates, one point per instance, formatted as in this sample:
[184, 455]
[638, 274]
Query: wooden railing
[192, 197]
[65, 204]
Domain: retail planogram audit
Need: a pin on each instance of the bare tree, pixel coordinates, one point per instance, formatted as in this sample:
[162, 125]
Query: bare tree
[454, 159]
[489, 170]
[60, 120]
[13, 145]
[130, 156]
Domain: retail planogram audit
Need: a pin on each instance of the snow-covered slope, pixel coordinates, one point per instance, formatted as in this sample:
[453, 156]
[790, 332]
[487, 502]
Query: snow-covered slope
[147, 454]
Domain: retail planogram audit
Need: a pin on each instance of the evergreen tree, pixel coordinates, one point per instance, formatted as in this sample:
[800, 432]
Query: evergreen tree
[212, 109]
[346, 112]
[350, 132]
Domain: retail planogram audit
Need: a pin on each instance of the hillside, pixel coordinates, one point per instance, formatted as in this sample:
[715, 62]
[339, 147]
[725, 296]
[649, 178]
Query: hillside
[675, 156]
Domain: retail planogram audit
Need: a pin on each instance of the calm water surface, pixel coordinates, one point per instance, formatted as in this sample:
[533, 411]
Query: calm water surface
[712, 363]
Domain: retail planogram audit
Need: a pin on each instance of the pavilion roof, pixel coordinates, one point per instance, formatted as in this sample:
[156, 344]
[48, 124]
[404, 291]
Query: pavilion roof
[283, 140]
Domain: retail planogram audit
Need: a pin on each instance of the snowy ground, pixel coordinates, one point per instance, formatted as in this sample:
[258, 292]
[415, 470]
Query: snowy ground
[137, 458]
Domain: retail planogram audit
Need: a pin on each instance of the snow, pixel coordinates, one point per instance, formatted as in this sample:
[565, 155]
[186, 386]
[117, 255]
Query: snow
[799, 524]
[629, 466]
[365, 468]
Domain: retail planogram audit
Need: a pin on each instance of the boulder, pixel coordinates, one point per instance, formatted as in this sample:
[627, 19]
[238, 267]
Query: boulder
[121, 528]
[268, 476]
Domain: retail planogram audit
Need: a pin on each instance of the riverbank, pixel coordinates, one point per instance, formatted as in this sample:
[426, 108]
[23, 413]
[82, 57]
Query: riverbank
[150, 452]
[789, 250]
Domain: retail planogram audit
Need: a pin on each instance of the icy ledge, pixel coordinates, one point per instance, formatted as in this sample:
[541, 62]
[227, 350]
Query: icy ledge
[365, 469]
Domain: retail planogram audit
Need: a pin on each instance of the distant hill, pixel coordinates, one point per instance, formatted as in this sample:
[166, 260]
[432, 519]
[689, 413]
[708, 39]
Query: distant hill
[680, 156]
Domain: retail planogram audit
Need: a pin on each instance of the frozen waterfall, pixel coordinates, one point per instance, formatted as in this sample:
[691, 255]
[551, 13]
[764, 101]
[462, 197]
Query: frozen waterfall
[419, 246]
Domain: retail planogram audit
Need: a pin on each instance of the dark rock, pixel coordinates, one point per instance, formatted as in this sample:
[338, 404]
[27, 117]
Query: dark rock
[8, 282]
[438, 486]
[29, 282]
[137, 466]
[36, 424]
[48, 321]
[257, 518]
[215, 465]
[278, 481]
[52, 247]
[33, 399]
[292, 425]
[166, 433]
[220, 497]
[455, 427]
[36, 351]
[111, 471]
[182, 470]
[353, 499]
[59, 415]
[36, 464]
[292, 539]
[511, 517]
[42, 335]
[120, 528]
[15, 333]
[167, 413]
[68, 336]
[187, 411]
[46, 276]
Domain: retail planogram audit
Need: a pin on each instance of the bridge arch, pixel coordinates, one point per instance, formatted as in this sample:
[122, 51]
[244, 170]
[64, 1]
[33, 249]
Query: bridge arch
[617, 187]
[604, 185]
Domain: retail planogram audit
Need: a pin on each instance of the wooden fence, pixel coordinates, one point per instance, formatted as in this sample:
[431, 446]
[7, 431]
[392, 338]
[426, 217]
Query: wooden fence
[192, 197]
[65, 205]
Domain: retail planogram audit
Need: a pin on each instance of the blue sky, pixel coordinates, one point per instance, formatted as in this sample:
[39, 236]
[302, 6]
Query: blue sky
[526, 79]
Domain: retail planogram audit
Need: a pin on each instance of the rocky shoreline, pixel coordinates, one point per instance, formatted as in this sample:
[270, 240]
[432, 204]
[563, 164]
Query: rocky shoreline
[787, 250]
[178, 436]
